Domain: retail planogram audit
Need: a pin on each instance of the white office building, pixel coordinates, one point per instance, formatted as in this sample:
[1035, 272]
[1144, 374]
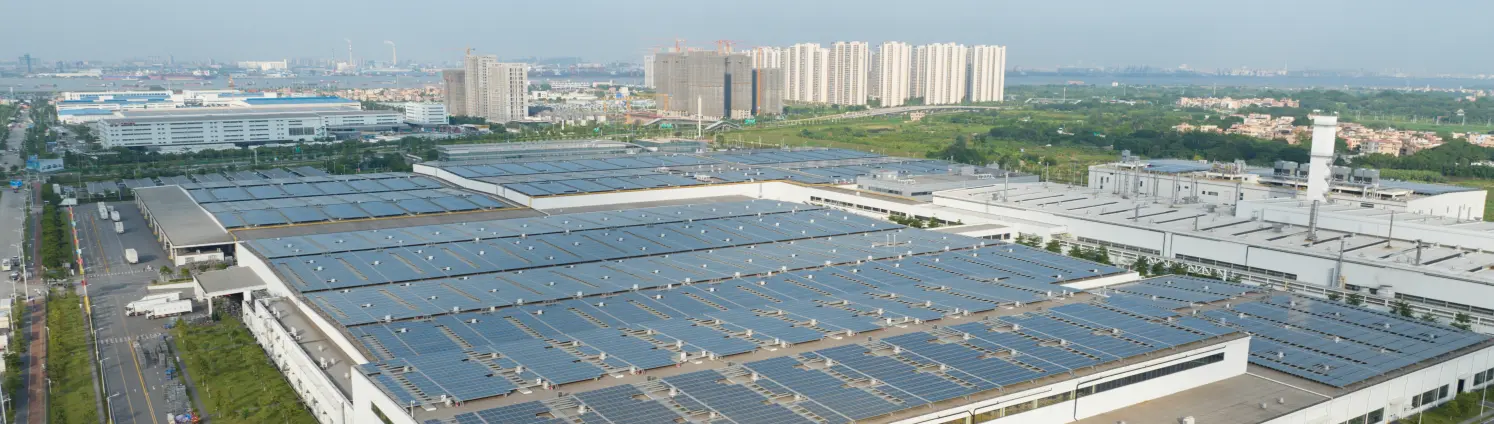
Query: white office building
[940, 76]
[987, 73]
[807, 72]
[425, 114]
[893, 73]
[227, 128]
[848, 62]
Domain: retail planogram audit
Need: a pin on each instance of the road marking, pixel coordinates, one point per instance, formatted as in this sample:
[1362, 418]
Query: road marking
[143, 390]
[113, 340]
[122, 373]
[98, 241]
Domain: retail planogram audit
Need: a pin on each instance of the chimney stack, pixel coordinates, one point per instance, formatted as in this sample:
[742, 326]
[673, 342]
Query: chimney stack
[1324, 131]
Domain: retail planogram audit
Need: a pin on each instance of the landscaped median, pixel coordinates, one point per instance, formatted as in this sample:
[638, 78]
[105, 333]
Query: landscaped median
[68, 361]
[234, 377]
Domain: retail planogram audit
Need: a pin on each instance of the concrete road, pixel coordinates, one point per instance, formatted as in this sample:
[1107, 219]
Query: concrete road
[133, 375]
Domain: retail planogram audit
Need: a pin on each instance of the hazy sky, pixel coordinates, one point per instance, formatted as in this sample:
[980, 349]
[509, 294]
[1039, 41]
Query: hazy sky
[1422, 36]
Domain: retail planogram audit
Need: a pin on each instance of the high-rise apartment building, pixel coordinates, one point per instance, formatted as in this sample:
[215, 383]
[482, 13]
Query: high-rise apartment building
[806, 73]
[477, 82]
[893, 73]
[941, 70]
[987, 73]
[766, 57]
[847, 71]
[506, 91]
[456, 91]
[648, 71]
[715, 85]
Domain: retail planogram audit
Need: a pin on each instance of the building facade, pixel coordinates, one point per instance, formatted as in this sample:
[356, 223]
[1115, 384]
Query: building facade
[987, 73]
[456, 91]
[505, 92]
[228, 129]
[806, 70]
[847, 73]
[648, 71]
[476, 82]
[894, 68]
[426, 113]
[941, 70]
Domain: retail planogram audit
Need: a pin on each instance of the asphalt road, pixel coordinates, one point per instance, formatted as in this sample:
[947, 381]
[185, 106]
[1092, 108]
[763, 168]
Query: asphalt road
[133, 377]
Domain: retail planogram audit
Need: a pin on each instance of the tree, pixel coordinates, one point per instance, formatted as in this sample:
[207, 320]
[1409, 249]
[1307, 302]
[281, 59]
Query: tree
[1159, 268]
[1177, 268]
[1101, 255]
[1142, 266]
[185, 272]
[1054, 246]
[1462, 321]
[1428, 317]
[1402, 308]
[1335, 296]
[1356, 299]
[165, 271]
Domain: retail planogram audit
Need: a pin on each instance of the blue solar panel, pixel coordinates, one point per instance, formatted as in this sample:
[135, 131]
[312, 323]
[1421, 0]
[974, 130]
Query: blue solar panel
[263, 217]
[381, 209]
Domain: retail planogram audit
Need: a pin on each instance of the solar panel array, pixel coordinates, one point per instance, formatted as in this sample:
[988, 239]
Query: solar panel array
[647, 171]
[192, 180]
[1185, 289]
[873, 379]
[1337, 344]
[254, 199]
[568, 309]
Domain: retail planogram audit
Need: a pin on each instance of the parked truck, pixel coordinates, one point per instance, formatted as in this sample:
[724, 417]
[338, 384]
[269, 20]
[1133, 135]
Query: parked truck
[103, 211]
[169, 309]
[130, 255]
[118, 228]
[114, 215]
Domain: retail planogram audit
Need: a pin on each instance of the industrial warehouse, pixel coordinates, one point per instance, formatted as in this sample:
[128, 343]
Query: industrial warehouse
[763, 286]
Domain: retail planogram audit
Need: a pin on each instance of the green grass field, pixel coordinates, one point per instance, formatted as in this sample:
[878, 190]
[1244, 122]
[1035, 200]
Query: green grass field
[68, 362]
[235, 378]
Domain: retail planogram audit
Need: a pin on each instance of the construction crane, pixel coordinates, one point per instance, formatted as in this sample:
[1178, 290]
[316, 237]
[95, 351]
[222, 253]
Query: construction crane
[725, 46]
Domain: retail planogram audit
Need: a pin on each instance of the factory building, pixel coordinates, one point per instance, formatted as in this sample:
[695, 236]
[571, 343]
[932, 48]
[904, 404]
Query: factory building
[86, 106]
[644, 287]
[218, 128]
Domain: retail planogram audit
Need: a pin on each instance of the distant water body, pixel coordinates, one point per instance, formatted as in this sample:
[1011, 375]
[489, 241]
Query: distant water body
[368, 82]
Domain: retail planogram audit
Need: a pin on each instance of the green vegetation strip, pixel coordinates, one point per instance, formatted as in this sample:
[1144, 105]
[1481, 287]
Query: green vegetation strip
[68, 361]
[234, 377]
[1460, 409]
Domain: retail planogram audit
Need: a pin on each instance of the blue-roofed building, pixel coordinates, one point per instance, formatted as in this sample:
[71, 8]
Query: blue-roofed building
[296, 101]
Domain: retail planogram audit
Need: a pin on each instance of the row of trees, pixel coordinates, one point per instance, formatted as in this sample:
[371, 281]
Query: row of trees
[56, 242]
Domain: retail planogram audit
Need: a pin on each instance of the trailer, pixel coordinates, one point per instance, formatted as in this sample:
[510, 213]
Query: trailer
[143, 306]
[119, 228]
[130, 255]
[103, 211]
[114, 215]
[169, 309]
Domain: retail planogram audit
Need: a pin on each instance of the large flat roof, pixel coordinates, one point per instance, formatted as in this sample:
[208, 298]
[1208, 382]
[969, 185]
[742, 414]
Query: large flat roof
[176, 215]
[1234, 400]
[1219, 222]
[781, 284]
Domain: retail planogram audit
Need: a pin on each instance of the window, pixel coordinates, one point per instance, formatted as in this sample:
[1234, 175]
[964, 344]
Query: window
[1430, 396]
[1148, 375]
[1375, 416]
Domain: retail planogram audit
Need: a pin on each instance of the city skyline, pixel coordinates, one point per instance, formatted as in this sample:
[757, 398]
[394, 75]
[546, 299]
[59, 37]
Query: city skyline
[1160, 33]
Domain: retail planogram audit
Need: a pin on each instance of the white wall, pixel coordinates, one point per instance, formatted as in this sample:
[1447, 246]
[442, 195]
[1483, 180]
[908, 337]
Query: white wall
[1395, 395]
[311, 383]
[276, 287]
[1236, 353]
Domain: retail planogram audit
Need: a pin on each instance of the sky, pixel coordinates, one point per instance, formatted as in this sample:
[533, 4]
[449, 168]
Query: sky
[1422, 37]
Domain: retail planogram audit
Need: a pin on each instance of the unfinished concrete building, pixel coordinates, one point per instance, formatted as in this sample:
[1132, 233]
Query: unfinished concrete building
[712, 85]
